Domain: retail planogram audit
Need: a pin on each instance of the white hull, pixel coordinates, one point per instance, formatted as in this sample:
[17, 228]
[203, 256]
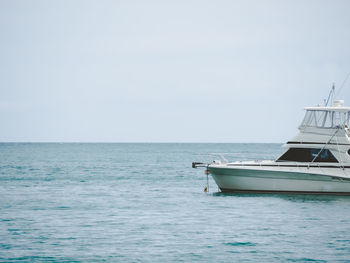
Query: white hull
[279, 180]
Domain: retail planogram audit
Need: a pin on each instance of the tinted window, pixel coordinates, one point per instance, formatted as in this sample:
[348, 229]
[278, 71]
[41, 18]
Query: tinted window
[307, 155]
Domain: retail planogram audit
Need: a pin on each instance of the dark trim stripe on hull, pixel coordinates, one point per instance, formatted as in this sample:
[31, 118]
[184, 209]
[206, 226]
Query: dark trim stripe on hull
[225, 190]
[288, 165]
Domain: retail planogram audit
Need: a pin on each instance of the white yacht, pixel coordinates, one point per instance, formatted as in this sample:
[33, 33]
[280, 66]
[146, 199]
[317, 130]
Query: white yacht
[317, 160]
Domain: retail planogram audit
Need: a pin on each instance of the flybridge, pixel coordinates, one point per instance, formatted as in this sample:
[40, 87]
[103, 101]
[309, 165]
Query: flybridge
[335, 116]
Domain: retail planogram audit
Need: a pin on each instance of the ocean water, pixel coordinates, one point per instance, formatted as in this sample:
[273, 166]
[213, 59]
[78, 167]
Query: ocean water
[144, 203]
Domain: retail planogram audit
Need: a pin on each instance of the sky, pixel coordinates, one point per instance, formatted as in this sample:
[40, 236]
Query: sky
[168, 71]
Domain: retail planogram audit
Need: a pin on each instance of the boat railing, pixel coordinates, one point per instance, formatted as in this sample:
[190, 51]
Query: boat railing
[221, 155]
[225, 156]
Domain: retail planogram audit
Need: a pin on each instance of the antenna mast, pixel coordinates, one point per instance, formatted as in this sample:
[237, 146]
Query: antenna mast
[331, 95]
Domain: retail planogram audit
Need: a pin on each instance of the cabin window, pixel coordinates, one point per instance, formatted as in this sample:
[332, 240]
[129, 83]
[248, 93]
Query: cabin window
[307, 155]
[349, 151]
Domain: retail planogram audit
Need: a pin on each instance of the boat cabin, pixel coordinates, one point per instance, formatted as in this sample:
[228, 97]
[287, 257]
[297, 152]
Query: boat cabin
[313, 145]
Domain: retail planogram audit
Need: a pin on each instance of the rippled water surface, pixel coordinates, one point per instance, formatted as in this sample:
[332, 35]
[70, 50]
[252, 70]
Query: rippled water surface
[144, 203]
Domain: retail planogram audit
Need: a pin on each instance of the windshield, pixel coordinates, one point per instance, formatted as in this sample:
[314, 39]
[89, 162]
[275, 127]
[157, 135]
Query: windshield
[325, 119]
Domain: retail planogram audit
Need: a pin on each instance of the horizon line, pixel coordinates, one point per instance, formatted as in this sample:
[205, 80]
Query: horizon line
[140, 142]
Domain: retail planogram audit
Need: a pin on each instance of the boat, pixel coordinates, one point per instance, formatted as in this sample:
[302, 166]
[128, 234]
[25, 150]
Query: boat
[316, 160]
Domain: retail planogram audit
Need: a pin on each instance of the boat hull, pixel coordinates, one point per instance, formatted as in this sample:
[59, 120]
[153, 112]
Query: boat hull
[271, 181]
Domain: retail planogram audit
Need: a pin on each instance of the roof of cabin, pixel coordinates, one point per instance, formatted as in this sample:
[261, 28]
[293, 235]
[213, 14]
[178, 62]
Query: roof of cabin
[326, 108]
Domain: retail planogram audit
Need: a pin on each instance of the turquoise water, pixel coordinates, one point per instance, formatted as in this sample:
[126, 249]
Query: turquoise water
[144, 203]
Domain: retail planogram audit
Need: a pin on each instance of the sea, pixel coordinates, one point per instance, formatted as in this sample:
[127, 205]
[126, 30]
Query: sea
[143, 202]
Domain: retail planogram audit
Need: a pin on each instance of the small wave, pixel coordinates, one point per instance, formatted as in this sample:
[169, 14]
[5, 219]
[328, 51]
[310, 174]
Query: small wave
[307, 260]
[40, 259]
[250, 244]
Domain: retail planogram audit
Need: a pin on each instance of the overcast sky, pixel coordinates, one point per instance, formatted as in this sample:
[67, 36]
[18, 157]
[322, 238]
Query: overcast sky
[167, 71]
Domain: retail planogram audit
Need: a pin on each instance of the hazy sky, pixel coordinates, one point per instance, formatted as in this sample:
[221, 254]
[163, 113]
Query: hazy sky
[167, 71]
